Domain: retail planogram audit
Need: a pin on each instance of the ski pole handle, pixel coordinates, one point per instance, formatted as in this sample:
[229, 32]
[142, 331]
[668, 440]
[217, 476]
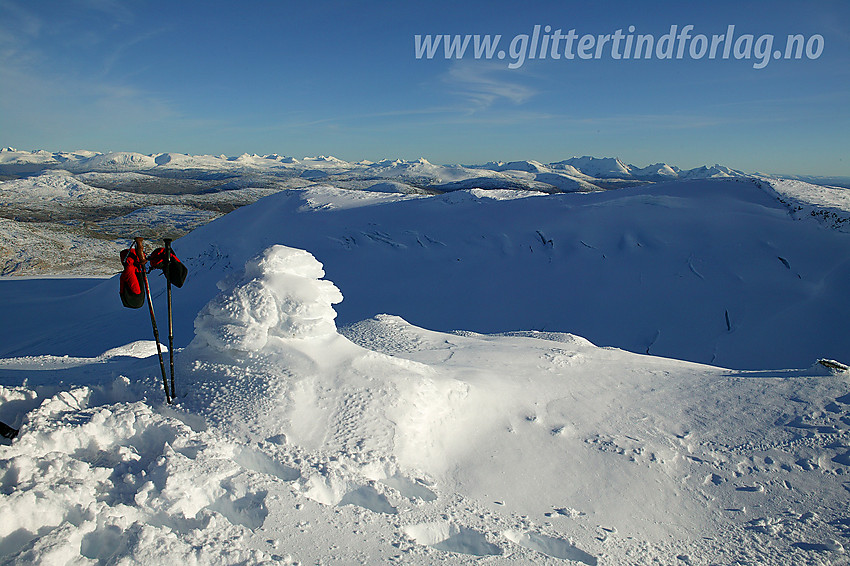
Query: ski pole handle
[140, 249]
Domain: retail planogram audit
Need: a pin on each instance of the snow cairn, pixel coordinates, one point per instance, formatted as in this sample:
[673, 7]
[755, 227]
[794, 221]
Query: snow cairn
[280, 295]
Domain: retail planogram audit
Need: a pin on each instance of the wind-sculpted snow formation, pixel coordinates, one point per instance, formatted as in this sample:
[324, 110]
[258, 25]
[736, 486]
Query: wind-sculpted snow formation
[281, 295]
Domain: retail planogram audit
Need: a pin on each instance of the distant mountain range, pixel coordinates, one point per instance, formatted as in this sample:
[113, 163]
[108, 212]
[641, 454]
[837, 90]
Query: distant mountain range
[577, 174]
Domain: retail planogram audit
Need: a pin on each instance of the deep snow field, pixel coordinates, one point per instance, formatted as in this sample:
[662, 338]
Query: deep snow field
[480, 376]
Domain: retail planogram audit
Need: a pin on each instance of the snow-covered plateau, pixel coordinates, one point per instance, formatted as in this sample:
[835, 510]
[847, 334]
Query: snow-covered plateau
[397, 362]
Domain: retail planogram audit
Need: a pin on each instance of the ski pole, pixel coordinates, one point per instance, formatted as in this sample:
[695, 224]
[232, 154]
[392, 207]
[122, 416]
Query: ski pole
[140, 251]
[170, 325]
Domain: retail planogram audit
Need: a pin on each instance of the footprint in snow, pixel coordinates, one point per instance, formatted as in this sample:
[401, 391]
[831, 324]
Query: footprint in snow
[411, 489]
[551, 546]
[843, 459]
[279, 439]
[449, 537]
[757, 488]
[249, 510]
[830, 546]
[369, 498]
[565, 512]
[259, 462]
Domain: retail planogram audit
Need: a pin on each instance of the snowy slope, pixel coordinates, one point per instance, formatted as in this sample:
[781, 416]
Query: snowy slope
[529, 166]
[712, 271]
[293, 443]
[656, 170]
[713, 172]
[157, 220]
[55, 187]
[598, 167]
[119, 161]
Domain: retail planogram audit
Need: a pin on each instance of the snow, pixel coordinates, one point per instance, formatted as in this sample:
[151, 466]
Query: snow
[277, 298]
[529, 166]
[138, 349]
[704, 172]
[50, 216]
[829, 205]
[11, 156]
[392, 187]
[295, 443]
[656, 170]
[182, 161]
[57, 188]
[376, 377]
[421, 171]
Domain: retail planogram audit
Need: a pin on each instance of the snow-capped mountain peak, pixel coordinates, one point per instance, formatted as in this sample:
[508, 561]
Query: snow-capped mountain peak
[602, 167]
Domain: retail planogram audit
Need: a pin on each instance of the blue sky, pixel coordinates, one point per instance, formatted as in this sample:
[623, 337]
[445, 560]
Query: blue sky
[341, 78]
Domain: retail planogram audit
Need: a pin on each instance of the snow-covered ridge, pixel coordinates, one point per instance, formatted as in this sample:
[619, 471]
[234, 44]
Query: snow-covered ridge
[829, 205]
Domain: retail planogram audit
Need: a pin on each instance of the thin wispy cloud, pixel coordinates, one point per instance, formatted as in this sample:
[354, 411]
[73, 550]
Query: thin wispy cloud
[120, 11]
[18, 28]
[52, 99]
[18, 21]
[113, 58]
[484, 84]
